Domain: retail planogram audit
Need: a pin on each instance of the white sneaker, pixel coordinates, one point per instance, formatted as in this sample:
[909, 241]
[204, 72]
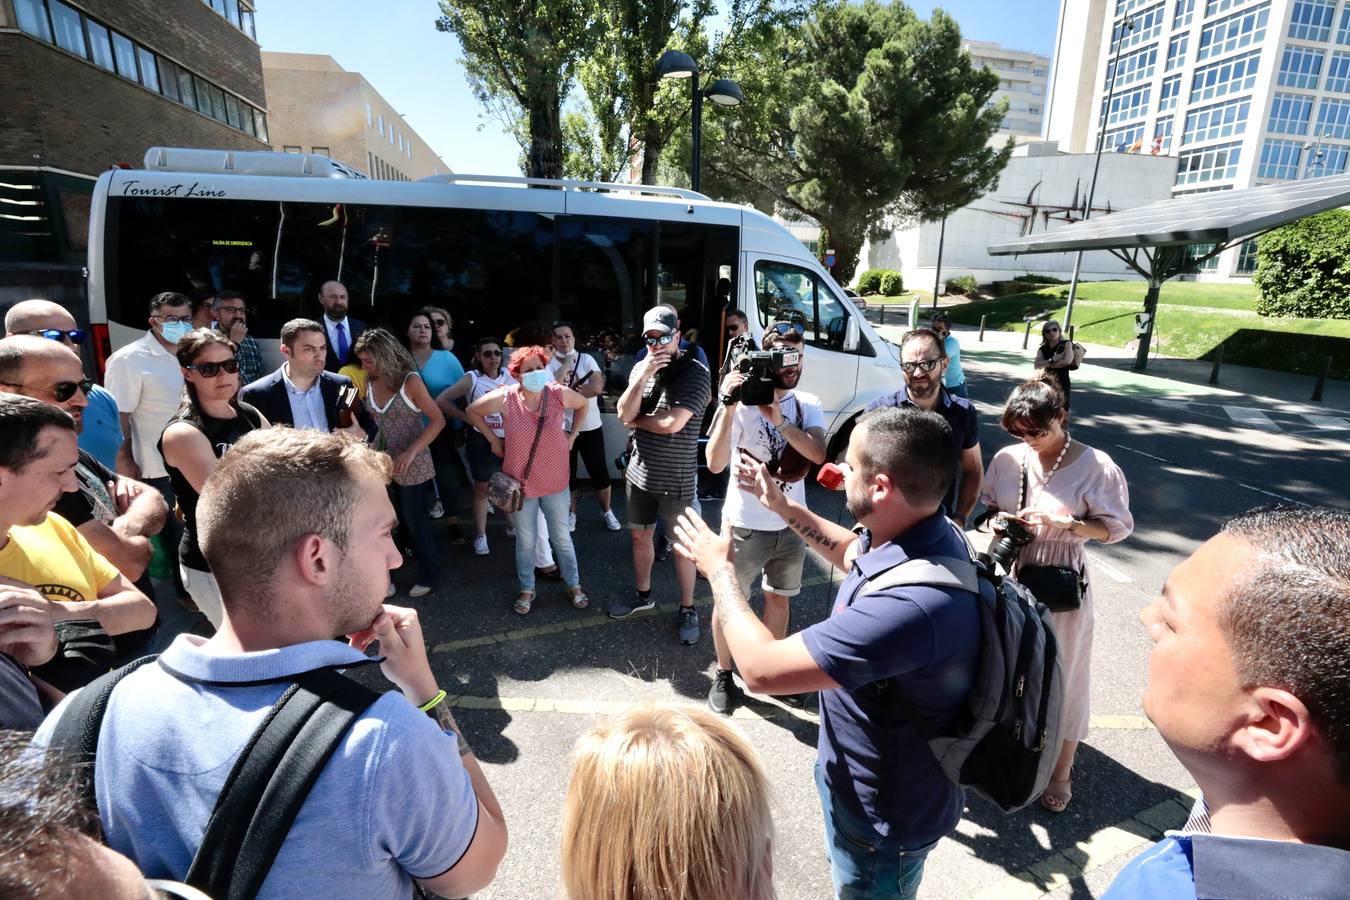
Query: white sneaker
[571, 521]
[390, 591]
[612, 521]
[480, 547]
[419, 590]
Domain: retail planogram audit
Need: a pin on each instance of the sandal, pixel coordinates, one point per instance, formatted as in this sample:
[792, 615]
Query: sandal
[578, 597]
[524, 602]
[1057, 795]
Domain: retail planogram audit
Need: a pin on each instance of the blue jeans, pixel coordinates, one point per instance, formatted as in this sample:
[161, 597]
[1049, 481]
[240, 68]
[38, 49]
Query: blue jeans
[555, 507]
[411, 502]
[865, 865]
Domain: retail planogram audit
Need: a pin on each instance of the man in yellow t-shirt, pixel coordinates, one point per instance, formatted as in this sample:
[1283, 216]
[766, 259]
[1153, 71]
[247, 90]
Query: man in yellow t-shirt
[41, 554]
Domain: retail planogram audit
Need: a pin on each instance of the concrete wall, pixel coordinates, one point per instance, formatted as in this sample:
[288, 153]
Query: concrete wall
[1078, 48]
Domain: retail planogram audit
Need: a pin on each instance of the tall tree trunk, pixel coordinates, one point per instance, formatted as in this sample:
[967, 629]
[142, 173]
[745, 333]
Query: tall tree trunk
[652, 144]
[546, 146]
[847, 243]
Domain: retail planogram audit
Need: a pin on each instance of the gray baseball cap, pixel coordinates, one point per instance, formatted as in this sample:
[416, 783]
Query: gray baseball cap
[661, 319]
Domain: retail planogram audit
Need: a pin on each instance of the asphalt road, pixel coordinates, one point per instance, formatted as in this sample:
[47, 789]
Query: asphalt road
[526, 688]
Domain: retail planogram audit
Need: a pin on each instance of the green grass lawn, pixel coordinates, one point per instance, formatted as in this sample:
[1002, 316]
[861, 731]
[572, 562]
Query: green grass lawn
[1193, 320]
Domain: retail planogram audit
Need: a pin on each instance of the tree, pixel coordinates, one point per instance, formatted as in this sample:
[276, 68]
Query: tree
[868, 116]
[1301, 268]
[520, 57]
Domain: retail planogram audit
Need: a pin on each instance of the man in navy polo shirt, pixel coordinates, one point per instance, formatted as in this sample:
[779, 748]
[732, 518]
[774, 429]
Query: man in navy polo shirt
[923, 359]
[886, 801]
[1247, 685]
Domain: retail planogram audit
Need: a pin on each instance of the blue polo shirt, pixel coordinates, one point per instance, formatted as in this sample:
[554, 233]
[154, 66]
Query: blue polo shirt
[1201, 866]
[926, 641]
[393, 803]
[101, 436]
[960, 415]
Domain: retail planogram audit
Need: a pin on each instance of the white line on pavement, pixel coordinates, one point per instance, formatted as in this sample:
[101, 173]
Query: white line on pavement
[1252, 487]
[1149, 455]
[1115, 574]
[1241, 484]
[1331, 422]
[1249, 416]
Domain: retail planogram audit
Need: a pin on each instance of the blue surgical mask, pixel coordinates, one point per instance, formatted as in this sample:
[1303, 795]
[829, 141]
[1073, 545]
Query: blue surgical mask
[536, 381]
[174, 332]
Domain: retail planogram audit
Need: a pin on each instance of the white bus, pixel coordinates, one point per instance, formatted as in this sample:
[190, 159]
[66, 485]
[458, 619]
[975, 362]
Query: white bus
[498, 252]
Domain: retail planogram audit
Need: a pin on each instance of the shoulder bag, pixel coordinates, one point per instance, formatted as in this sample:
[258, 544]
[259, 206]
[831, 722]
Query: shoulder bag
[505, 492]
[1058, 587]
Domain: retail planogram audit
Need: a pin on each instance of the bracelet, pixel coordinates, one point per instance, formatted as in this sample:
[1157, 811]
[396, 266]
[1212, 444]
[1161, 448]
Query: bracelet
[464, 748]
[433, 702]
[781, 425]
[726, 400]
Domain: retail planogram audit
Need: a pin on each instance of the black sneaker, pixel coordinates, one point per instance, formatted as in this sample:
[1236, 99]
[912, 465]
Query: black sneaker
[622, 609]
[689, 632]
[724, 696]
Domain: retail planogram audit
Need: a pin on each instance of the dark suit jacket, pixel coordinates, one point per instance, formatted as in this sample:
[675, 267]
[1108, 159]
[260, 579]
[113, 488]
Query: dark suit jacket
[269, 395]
[332, 363]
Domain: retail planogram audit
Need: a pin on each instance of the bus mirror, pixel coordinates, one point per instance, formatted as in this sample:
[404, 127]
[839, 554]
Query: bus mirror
[852, 335]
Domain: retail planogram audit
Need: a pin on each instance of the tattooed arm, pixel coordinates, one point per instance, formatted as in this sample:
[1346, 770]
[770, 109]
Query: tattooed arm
[830, 540]
[768, 666]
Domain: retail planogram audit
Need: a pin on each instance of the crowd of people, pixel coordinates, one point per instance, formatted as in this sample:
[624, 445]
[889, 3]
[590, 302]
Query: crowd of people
[193, 442]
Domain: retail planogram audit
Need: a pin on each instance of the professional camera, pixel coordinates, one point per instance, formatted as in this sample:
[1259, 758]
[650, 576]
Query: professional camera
[1011, 537]
[757, 366]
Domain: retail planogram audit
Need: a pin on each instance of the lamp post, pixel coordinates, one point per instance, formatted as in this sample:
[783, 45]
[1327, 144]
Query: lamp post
[722, 91]
[1126, 25]
[1317, 159]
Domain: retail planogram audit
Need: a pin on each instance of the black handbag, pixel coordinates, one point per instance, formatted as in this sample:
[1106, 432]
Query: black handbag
[1058, 587]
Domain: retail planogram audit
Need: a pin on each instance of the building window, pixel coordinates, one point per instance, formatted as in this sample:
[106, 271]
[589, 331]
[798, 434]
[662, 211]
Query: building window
[1208, 164]
[1196, 255]
[1128, 105]
[1125, 140]
[33, 18]
[1038, 72]
[1218, 121]
[1134, 67]
[1311, 20]
[69, 31]
[400, 142]
[1238, 30]
[1214, 7]
[369, 123]
[1333, 118]
[1126, 6]
[391, 134]
[380, 129]
[238, 13]
[260, 125]
[1343, 33]
[1279, 159]
[1167, 94]
[149, 71]
[1246, 261]
[1326, 161]
[1181, 17]
[1147, 25]
[1338, 73]
[100, 46]
[1162, 136]
[1301, 67]
[125, 52]
[290, 149]
[168, 78]
[1289, 114]
[321, 151]
[1228, 77]
[1176, 51]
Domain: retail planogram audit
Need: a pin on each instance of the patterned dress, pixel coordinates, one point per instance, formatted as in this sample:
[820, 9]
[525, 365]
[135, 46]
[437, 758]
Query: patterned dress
[550, 471]
[400, 423]
[1090, 487]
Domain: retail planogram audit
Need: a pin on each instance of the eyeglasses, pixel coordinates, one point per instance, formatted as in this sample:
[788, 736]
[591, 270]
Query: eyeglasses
[661, 341]
[167, 319]
[234, 309]
[922, 365]
[62, 390]
[213, 369]
[1032, 433]
[1051, 331]
[74, 335]
[788, 328]
[489, 353]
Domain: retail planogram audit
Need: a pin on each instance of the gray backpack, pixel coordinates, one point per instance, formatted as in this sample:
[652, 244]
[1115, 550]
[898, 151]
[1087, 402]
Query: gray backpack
[998, 745]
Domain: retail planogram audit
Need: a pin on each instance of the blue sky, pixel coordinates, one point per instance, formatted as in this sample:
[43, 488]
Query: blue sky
[395, 45]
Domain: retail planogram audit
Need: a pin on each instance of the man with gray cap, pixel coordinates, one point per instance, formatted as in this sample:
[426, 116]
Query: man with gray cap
[667, 394]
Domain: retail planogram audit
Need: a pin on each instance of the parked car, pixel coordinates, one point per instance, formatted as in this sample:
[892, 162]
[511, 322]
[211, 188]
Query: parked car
[857, 298]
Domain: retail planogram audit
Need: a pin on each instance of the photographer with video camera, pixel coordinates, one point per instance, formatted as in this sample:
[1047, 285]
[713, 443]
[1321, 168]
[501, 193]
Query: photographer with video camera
[762, 418]
[1050, 495]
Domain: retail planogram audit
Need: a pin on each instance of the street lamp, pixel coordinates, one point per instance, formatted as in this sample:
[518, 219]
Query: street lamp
[1317, 159]
[722, 91]
[1126, 26]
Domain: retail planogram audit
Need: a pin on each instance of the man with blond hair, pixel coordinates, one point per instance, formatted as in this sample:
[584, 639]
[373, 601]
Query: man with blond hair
[402, 798]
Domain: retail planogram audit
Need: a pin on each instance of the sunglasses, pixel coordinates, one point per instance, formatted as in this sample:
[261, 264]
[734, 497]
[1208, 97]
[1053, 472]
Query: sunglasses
[923, 365]
[1032, 433]
[213, 369]
[661, 341]
[62, 390]
[438, 322]
[489, 353]
[74, 335]
[788, 328]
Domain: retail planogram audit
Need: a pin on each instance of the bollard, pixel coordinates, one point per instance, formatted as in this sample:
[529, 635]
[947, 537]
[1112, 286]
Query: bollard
[1218, 361]
[881, 314]
[1321, 381]
[982, 321]
[914, 313]
[1026, 338]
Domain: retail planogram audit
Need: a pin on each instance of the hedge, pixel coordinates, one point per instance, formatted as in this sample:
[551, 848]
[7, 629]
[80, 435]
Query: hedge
[892, 285]
[962, 284]
[1303, 268]
[871, 282]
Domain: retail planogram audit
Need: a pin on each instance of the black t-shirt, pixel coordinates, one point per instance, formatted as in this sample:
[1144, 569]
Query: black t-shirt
[222, 433]
[92, 501]
[1060, 373]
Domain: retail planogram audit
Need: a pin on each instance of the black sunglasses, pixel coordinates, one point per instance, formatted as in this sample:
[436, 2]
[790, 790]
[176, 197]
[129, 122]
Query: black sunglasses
[1032, 433]
[62, 390]
[661, 341]
[489, 353]
[923, 365]
[213, 369]
[788, 328]
[74, 335]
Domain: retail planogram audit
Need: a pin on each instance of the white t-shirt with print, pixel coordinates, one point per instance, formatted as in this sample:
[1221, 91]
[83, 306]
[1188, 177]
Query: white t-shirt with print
[749, 429]
[583, 367]
[485, 385]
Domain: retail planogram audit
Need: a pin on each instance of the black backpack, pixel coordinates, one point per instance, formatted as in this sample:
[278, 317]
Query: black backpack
[265, 789]
[998, 745]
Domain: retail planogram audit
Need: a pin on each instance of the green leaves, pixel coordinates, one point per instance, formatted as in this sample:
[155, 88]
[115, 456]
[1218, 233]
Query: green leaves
[1300, 268]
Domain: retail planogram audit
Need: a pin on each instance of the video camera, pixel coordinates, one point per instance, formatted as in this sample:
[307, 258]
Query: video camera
[756, 365]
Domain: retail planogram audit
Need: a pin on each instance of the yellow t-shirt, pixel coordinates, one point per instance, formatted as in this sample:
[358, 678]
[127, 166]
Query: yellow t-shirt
[357, 375]
[56, 559]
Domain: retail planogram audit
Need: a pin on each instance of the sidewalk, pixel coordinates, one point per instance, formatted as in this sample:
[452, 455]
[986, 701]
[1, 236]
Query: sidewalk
[1112, 368]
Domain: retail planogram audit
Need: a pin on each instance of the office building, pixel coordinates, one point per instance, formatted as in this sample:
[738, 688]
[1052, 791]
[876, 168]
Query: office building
[319, 107]
[1022, 82]
[1241, 92]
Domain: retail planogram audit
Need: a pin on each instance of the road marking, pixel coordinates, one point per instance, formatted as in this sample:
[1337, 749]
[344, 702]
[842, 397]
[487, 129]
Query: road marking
[1329, 422]
[1252, 487]
[1249, 416]
[1149, 455]
[1115, 574]
[1170, 404]
[1241, 484]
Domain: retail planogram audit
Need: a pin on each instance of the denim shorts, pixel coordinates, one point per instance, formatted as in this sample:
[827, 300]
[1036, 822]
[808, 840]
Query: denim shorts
[482, 461]
[780, 555]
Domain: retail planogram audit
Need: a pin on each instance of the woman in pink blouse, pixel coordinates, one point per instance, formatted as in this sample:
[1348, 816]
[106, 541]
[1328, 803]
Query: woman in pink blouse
[535, 452]
[1067, 493]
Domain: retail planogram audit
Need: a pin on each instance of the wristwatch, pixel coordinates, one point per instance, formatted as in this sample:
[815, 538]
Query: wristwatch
[726, 399]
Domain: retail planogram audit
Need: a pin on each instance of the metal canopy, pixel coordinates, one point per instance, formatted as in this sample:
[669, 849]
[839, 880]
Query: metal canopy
[1219, 217]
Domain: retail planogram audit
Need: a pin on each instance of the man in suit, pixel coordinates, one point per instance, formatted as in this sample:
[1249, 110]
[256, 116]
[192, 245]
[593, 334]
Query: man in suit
[340, 330]
[300, 393]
